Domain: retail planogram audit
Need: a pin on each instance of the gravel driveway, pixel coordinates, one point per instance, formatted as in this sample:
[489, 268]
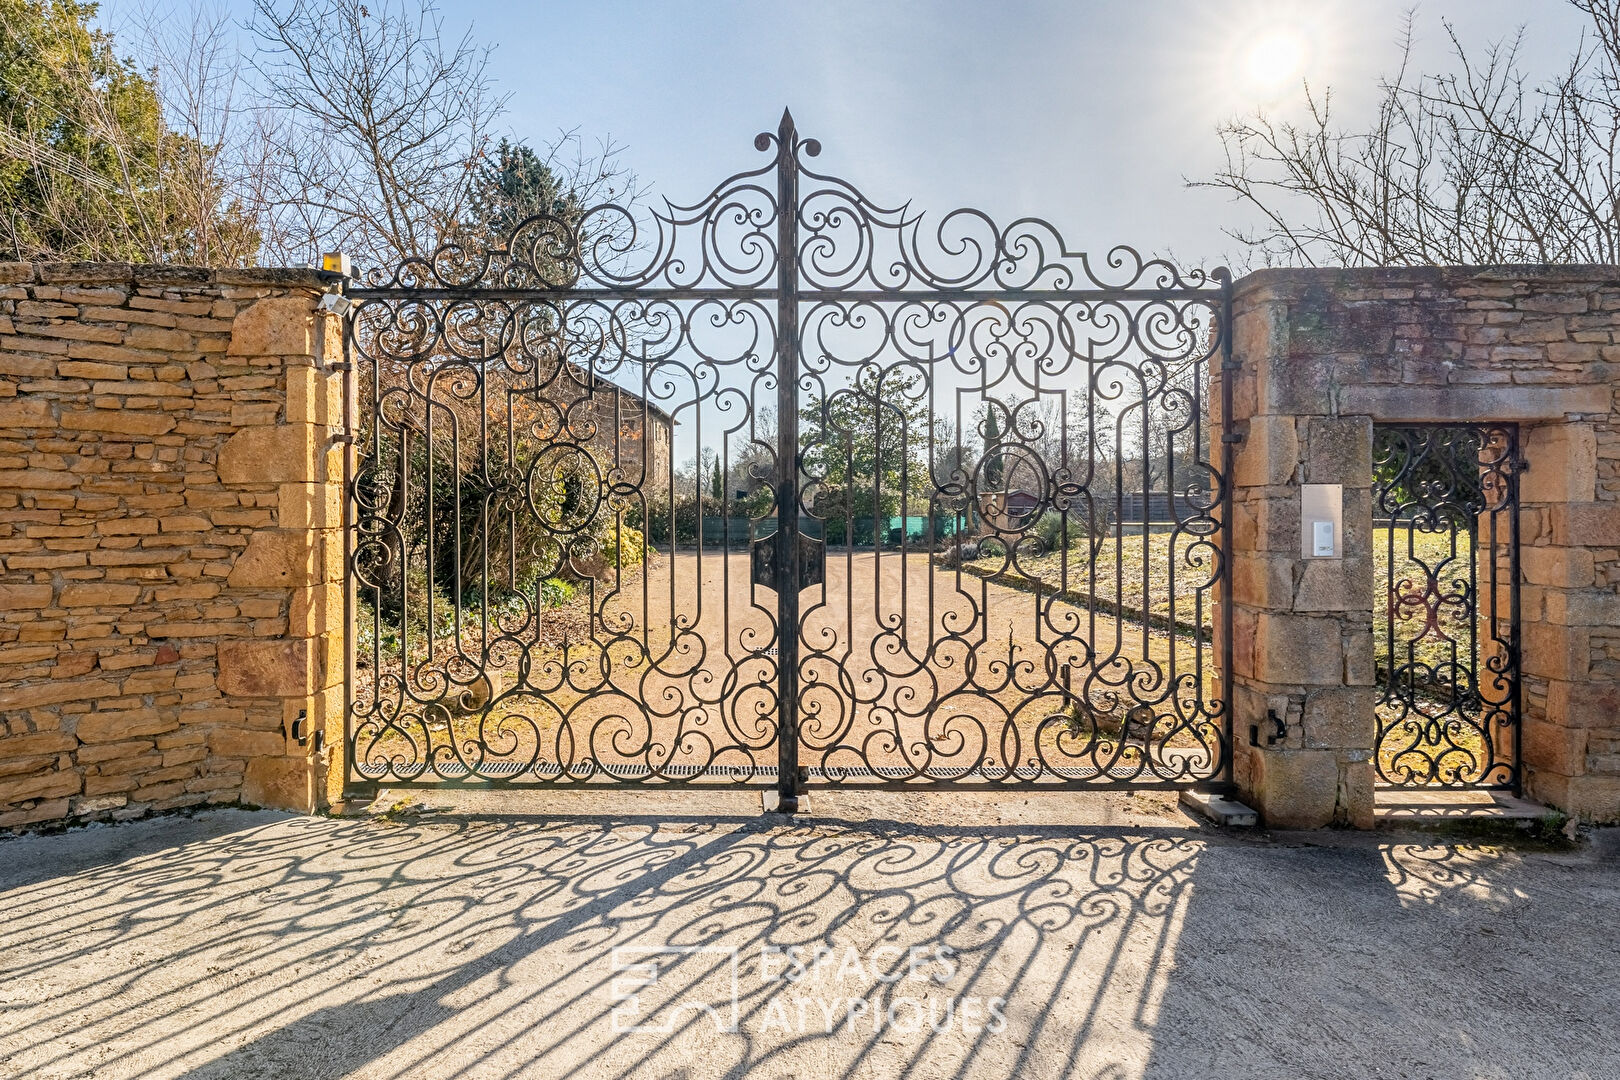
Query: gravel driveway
[253, 944]
[907, 668]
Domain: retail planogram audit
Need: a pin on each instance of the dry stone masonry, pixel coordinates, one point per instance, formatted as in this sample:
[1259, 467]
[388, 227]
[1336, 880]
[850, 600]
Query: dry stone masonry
[1326, 353]
[171, 550]
[170, 538]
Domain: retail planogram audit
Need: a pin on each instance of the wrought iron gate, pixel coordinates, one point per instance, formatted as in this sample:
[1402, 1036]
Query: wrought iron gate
[956, 514]
[1446, 606]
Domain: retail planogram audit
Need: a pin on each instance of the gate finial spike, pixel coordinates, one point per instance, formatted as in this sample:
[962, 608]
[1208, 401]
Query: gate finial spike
[787, 121]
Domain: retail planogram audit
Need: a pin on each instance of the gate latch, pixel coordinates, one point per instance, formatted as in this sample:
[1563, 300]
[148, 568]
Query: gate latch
[810, 560]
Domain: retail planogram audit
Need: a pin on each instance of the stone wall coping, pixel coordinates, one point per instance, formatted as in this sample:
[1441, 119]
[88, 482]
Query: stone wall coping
[1282, 278]
[106, 273]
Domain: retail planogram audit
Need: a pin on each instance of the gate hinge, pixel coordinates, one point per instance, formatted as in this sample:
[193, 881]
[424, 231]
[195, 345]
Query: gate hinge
[1281, 729]
[1231, 437]
[302, 732]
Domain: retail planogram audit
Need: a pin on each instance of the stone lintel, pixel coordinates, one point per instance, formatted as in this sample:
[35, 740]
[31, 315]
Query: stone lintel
[1420, 404]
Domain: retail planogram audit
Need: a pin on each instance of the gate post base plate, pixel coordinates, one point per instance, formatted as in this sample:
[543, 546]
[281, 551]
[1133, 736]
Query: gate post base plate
[771, 802]
[1219, 809]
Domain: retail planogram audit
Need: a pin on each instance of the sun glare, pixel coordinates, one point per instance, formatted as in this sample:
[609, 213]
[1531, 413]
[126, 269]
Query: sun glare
[1275, 60]
[1261, 52]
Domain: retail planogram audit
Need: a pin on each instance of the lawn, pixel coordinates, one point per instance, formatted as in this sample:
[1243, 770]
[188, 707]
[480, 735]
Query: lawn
[1434, 642]
[1418, 556]
[1168, 576]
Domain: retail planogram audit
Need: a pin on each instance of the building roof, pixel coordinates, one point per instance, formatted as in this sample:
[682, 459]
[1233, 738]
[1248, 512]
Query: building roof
[587, 377]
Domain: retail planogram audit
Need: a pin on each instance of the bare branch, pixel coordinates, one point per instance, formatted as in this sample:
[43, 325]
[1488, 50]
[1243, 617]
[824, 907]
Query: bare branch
[1470, 166]
[381, 122]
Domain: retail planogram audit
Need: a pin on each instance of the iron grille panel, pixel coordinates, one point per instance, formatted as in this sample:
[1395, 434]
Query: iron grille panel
[1046, 613]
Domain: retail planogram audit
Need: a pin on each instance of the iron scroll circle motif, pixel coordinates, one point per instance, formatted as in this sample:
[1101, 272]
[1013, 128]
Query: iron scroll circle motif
[991, 460]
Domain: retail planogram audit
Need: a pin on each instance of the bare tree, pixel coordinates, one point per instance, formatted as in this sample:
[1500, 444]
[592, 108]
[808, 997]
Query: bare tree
[1473, 166]
[349, 125]
[214, 172]
[380, 123]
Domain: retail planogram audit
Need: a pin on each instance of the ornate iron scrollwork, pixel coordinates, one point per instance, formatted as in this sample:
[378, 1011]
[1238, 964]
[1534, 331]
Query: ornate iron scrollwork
[1446, 617]
[1004, 445]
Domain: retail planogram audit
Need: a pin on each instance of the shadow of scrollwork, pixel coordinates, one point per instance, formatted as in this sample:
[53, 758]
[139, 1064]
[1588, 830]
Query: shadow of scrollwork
[253, 945]
[257, 947]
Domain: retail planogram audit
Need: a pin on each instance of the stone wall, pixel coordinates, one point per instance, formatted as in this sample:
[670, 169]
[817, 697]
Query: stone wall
[171, 605]
[1326, 353]
[170, 541]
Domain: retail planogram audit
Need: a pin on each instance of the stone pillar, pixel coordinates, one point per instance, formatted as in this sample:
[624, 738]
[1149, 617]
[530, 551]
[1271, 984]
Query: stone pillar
[291, 461]
[1302, 679]
[1323, 354]
[1571, 623]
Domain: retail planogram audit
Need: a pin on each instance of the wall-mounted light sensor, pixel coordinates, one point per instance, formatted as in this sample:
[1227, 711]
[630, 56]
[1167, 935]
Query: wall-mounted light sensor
[336, 303]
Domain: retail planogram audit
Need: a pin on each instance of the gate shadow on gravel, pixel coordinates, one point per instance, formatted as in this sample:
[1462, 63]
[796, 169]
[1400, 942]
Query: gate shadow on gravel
[324, 949]
[242, 945]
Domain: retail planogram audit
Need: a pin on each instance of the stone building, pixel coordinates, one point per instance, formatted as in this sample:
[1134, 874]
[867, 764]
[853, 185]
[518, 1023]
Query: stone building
[628, 430]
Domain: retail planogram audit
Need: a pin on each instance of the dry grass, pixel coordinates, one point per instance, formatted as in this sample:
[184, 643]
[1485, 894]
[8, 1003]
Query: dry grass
[1167, 575]
[1417, 555]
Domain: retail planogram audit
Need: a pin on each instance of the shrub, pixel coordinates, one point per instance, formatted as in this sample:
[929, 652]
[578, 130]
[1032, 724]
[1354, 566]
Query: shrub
[555, 592]
[957, 554]
[1051, 531]
[686, 513]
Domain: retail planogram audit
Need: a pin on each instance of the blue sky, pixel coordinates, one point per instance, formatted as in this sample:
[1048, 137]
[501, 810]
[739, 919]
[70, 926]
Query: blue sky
[1088, 112]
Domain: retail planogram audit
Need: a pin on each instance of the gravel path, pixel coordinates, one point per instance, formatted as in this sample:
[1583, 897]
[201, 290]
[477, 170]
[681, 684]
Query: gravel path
[240, 944]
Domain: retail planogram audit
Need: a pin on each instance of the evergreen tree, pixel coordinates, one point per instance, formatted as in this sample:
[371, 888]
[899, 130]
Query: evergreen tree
[515, 184]
[992, 436]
